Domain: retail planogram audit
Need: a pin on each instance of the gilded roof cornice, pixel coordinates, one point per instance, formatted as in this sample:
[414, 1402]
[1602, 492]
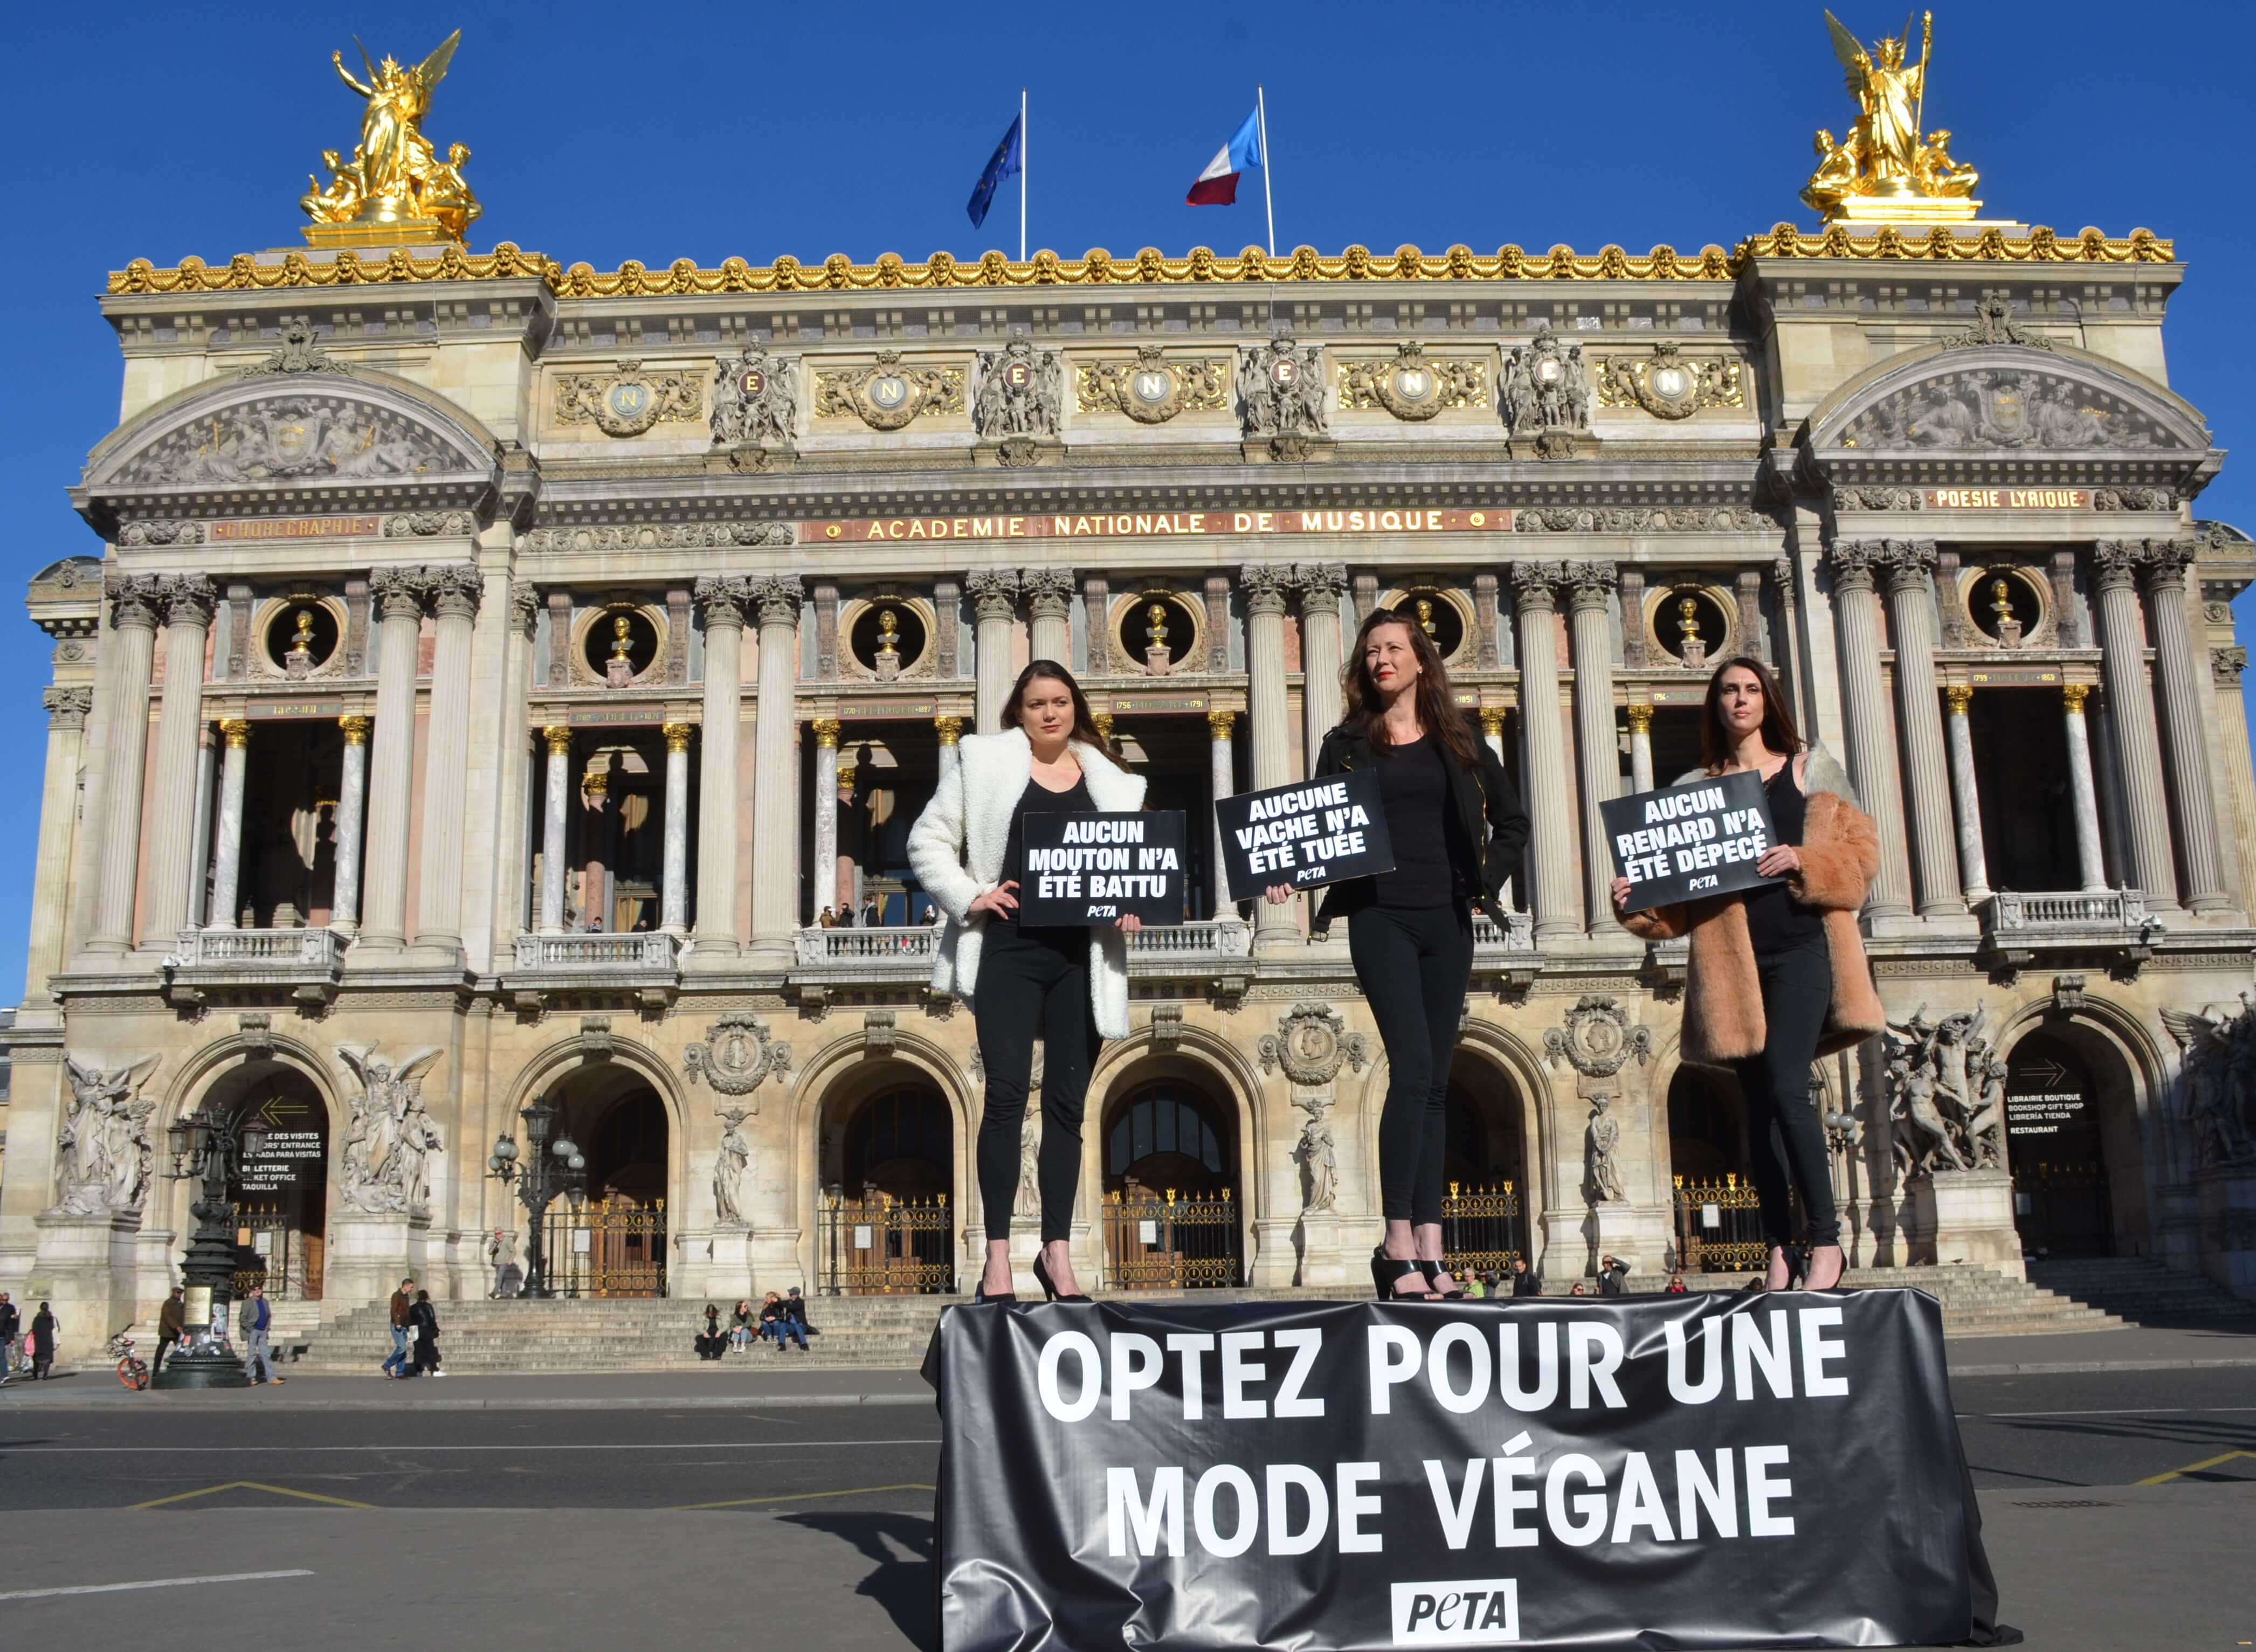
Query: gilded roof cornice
[1097, 268]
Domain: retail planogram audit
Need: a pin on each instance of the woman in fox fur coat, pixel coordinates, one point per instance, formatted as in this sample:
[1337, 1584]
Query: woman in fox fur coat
[1777, 974]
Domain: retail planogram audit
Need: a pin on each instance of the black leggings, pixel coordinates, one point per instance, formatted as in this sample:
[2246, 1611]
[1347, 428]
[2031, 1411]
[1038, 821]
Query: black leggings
[1414, 967]
[1784, 1136]
[1030, 986]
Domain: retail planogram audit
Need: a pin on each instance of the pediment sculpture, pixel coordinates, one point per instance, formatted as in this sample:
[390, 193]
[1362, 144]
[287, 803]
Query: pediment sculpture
[1998, 407]
[290, 438]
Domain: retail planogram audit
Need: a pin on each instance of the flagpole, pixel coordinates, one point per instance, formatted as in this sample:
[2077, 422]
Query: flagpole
[1022, 174]
[1261, 114]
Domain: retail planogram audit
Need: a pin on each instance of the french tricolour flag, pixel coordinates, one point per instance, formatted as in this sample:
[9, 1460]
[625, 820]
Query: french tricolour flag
[1218, 184]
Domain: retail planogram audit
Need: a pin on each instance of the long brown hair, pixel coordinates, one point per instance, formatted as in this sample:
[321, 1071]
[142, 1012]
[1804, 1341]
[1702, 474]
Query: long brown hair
[1437, 706]
[1778, 730]
[1084, 720]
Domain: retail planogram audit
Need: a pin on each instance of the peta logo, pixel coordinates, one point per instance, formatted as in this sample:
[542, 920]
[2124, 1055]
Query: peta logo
[1482, 1612]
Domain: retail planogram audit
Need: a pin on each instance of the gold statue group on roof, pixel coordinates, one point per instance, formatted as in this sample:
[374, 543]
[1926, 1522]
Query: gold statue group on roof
[1887, 170]
[394, 187]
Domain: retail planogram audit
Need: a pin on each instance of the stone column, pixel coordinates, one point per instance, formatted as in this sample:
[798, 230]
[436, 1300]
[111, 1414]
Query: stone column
[1095, 608]
[775, 772]
[556, 802]
[1492, 722]
[398, 595]
[2082, 793]
[227, 862]
[673, 889]
[2131, 712]
[2179, 666]
[1864, 701]
[1223, 778]
[67, 707]
[352, 818]
[597, 857]
[1049, 606]
[1918, 719]
[1275, 928]
[948, 731]
[723, 602]
[188, 600]
[1973, 865]
[456, 589]
[1640, 748]
[995, 599]
[1591, 633]
[1544, 742]
[200, 848]
[1323, 700]
[129, 651]
[826, 812]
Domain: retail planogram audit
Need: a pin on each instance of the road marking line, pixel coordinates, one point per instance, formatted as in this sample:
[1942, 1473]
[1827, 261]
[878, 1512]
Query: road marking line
[249, 1485]
[2126, 1410]
[152, 1583]
[2195, 1468]
[299, 1450]
[803, 1497]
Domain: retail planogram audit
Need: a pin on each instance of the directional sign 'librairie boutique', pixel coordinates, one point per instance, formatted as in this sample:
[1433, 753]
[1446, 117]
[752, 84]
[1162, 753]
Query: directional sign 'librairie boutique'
[1326, 832]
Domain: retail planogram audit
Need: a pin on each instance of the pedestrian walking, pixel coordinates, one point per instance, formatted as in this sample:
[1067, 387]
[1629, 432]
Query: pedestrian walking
[498, 1256]
[403, 1307]
[11, 1339]
[170, 1324]
[423, 1329]
[256, 1322]
[44, 1329]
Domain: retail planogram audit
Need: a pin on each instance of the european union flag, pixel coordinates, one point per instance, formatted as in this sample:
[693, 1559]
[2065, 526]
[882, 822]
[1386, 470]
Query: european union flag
[1008, 158]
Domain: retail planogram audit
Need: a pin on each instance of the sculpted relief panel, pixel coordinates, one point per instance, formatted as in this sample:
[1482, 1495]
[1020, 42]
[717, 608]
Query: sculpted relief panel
[289, 437]
[1988, 407]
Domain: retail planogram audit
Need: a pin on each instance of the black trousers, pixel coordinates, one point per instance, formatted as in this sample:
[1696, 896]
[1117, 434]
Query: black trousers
[1414, 968]
[1786, 1141]
[1031, 985]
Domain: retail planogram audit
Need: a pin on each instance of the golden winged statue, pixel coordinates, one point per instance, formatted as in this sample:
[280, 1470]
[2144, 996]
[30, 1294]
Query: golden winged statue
[395, 186]
[1886, 170]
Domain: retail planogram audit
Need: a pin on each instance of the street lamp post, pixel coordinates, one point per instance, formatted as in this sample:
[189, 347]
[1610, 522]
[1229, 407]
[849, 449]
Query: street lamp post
[203, 1145]
[547, 1168]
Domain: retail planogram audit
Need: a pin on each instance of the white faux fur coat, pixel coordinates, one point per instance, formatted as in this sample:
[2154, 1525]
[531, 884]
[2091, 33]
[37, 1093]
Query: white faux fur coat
[956, 849]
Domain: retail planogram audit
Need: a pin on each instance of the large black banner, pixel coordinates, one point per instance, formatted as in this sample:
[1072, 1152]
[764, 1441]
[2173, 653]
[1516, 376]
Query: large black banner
[1690, 1471]
[1697, 840]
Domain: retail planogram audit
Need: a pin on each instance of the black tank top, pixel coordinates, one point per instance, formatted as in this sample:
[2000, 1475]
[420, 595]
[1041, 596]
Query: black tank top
[1776, 922]
[1421, 824]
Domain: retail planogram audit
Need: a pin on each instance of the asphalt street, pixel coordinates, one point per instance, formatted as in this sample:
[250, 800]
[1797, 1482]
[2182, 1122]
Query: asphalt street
[2116, 1505]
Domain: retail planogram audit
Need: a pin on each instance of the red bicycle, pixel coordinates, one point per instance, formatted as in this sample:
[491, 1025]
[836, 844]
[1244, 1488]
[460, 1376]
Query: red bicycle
[133, 1372]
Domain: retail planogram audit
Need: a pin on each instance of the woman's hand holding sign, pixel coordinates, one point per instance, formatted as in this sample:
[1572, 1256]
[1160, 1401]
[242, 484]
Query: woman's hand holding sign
[1277, 894]
[1777, 861]
[1622, 887]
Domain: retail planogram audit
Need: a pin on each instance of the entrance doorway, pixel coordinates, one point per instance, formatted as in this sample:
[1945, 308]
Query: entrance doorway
[1483, 1209]
[1718, 1220]
[613, 1242]
[888, 1170]
[1171, 1215]
[2056, 1146]
[281, 1197]
[2029, 821]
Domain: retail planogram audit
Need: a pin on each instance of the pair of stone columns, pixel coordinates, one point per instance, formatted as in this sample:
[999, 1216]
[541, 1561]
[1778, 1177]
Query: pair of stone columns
[994, 595]
[227, 846]
[1558, 912]
[1965, 786]
[674, 893]
[773, 602]
[1858, 566]
[1267, 588]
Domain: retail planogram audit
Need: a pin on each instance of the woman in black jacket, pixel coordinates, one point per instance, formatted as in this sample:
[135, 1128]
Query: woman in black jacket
[425, 1319]
[1457, 828]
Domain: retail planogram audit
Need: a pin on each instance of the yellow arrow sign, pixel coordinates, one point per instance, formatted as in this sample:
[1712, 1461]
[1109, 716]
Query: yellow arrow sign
[253, 1485]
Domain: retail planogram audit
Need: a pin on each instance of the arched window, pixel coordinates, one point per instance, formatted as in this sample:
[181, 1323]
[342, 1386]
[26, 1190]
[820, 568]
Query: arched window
[1167, 1135]
[900, 1143]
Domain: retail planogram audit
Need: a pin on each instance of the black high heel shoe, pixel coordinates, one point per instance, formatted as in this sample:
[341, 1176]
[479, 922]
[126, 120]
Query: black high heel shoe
[1809, 1267]
[1388, 1272]
[1049, 1289]
[1433, 1272]
[979, 1294]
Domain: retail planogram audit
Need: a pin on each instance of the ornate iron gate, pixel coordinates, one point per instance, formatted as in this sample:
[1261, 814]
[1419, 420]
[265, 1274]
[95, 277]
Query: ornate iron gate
[880, 1246]
[1171, 1243]
[1480, 1229]
[607, 1249]
[1719, 1228]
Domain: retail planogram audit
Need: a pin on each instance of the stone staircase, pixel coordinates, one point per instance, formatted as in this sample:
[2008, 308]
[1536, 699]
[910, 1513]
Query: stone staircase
[891, 1332]
[2143, 1291]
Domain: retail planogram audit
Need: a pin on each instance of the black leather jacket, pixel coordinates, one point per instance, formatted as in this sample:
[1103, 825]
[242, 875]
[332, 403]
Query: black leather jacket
[1488, 809]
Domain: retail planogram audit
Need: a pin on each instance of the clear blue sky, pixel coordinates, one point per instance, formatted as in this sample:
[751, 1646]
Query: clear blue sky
[602, 133]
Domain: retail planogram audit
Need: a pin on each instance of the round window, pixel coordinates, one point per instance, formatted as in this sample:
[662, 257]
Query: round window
[1437, 616]
[620, 633]
[1691, 624]
[300, 636]
[887, 630]
[2003, 605]
[1158, 619]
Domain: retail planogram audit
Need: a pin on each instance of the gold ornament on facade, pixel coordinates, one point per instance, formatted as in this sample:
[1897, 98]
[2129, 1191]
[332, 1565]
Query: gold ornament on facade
[889, 393]
[395, 188]
[889, 634]
[1641, 717]
[1887, 170]
[677, 735]
[1151, 389]
[355, 729]
[1412, 387]
[947, 730]
[1668, 383]
[622, 636]
[627, 401]
[683, 278]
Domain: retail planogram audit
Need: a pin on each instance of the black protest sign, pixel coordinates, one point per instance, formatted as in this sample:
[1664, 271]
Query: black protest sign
[1698, 1470]
[1318, 832]
[1099, 868]
[1690, 842]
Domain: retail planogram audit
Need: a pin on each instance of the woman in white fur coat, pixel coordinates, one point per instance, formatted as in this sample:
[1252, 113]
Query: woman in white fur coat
[1070, 986]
